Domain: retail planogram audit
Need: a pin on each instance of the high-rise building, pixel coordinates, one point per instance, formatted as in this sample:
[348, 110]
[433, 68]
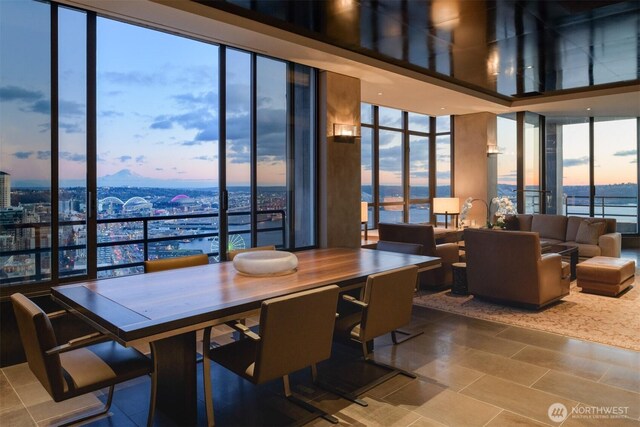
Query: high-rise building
[5, 190]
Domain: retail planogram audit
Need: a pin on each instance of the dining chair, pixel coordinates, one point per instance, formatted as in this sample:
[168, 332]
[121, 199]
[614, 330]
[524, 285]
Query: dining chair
[385, 307]
[232, 254]
[177, 262]
[82, 365]
[295, 332]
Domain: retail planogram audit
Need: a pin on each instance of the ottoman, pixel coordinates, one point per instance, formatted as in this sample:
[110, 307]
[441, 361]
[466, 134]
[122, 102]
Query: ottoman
[605, 275]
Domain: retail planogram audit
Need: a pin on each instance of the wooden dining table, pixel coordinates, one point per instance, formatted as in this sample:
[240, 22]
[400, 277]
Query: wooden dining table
[166, 308]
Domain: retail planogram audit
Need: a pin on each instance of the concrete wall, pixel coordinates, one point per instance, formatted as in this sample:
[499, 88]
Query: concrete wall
[475, 173]
[339, 163]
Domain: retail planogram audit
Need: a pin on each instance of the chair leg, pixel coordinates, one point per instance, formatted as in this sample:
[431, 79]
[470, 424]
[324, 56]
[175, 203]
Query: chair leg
[306, 405]
[100, 413]
[152, 399]
[206, 369]
[407, 336]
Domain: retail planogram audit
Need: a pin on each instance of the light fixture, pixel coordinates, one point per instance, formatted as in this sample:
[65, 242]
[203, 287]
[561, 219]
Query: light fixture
[345, 133]
[446, 206]
[364, 217]
[492, 149]
[588, 108]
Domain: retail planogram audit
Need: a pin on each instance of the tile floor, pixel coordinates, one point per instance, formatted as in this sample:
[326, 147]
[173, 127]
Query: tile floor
[470, 373]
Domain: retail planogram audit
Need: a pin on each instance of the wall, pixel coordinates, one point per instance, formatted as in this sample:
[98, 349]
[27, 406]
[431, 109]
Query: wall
[475, 174]
[339, 163]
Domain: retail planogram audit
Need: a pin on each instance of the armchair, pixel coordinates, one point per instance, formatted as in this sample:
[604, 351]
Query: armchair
[423, 234]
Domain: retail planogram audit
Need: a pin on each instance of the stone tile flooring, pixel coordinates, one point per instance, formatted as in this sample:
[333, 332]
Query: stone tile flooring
[470, 373]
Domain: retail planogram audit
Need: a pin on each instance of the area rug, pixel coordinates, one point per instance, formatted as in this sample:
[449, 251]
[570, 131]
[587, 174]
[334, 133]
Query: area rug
[612, 321]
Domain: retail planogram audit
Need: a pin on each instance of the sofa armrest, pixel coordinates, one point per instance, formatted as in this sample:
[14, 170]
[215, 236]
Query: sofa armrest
[610, 244]
[448, 252]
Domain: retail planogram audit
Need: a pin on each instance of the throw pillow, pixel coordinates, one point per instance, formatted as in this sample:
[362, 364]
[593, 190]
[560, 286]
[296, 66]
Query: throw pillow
[511, 223]
[590, 231]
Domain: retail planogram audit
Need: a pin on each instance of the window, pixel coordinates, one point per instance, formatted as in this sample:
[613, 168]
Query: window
[165, 135]
[397, 149]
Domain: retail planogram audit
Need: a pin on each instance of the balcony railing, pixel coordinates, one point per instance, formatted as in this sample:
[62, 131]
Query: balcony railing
[183, 228]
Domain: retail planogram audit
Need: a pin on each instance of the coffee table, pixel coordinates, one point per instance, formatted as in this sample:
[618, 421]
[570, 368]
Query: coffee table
[565, 250]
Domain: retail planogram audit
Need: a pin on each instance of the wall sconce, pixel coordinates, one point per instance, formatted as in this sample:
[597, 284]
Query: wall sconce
[345, 133]
[364, 217]
[446, 206]
[492, 150]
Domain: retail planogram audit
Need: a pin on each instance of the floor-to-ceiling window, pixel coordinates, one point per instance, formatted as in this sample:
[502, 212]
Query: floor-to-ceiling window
[121, 143]
[405, 162]
[507, 159]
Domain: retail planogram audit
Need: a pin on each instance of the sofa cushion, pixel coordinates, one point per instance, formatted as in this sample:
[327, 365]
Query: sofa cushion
[584, 250]
[511, 223]
[550, 226]
[590, 231]
[524, 222]
[573, 222]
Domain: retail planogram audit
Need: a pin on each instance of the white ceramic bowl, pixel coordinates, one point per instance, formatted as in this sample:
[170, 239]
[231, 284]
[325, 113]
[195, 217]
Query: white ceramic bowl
[265, 263]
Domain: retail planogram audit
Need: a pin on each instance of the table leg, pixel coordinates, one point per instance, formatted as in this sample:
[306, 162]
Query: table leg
[174, 360]
[573, 263]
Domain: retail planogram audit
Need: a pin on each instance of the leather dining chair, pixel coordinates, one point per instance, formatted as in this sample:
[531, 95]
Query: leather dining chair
[385, 307]
[295, 332]
[81, 366]
[232, 254]
[177, 262]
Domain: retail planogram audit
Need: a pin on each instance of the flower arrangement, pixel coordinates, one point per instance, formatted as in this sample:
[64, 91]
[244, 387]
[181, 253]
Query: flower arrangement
[504, 207]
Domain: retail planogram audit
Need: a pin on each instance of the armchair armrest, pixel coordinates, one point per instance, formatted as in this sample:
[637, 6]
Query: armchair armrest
[610, 244]
[243, 329]
[357, 302]
[75, 343]
[448, 252]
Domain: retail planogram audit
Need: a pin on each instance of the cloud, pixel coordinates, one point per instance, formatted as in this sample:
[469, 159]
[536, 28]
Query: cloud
[568, 163]
[43, 155]
[109, 113]
[133, 78]
[141, 159]
[16, 93]
[22, 154]
[206, 158]
[625, 153]
[71, 127]
[124, 158]
[73, 157]
[162, 124]
[191, 143]
[159, 169]
[71, 108]
[41, 107]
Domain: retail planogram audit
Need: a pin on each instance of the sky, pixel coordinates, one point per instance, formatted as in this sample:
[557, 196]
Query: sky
[157, 103]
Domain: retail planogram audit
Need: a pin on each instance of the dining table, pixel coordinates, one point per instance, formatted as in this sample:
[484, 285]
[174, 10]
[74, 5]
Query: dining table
[165, 309]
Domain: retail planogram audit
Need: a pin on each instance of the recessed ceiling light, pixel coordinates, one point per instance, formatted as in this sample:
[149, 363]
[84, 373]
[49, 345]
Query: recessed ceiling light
[379, 93]
[442, 108]
[588, 108]
[529, 67]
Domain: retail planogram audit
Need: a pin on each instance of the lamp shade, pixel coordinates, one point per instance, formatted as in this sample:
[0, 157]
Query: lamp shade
[450, 205]
[364, 212]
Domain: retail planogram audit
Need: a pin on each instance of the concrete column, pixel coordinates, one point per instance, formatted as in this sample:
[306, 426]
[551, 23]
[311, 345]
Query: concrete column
[475, 173]
[339, 163]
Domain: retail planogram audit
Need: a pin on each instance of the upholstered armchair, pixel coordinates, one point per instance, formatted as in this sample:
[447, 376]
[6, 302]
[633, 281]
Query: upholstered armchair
[423, 234]
[507, 267]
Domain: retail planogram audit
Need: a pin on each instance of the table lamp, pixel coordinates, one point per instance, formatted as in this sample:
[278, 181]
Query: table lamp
[446, 206]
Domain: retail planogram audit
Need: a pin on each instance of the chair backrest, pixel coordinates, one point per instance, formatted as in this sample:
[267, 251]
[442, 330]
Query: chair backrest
[232, 254]
[296, 331]
[37, 337]
[400, 247]
[421, 234]
[389, 296]
[177, 262]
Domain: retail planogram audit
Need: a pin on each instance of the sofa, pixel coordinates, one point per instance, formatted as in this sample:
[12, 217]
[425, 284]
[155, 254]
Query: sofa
[508, 267]
[597, 237]
[423, 234]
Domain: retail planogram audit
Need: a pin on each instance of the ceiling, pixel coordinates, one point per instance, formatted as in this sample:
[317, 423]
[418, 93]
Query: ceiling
[431, 57]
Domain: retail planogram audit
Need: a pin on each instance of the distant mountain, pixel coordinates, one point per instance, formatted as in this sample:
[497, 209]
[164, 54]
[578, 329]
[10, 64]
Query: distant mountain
[128, 178]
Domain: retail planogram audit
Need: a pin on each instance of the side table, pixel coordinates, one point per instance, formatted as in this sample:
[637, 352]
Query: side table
[459, 286]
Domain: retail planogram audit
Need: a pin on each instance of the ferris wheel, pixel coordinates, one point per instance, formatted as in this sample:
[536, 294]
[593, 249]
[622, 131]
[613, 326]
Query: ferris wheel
[235, 242]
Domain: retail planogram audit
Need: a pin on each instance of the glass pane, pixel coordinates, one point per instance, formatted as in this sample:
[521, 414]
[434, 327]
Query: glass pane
[616, 172]
[574, 143]
[390, 117]
[419, 213]
[391, 213]
[507, 159]
[531, 164]
[418, 122]
[271, 132]
[366, 168]
[443, 166]
[157, 138]
[239, 145]
[72, 140]
[418, 167]
[390, 166]
[366, 113]
[443, 124]
[25, 147]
